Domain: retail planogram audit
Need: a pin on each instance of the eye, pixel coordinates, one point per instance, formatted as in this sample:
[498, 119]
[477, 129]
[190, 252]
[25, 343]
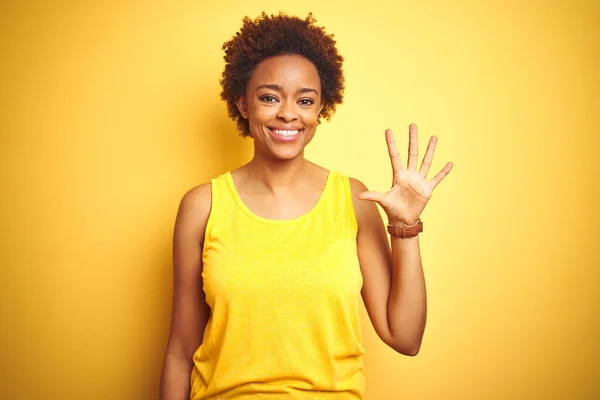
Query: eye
[268, 98]
[307, 102]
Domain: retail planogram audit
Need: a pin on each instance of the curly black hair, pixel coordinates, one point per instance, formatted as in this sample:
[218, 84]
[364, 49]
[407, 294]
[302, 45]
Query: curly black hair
[269, 36]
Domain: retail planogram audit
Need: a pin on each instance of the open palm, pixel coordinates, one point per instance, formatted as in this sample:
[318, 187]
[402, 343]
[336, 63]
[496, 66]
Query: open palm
[410, 190]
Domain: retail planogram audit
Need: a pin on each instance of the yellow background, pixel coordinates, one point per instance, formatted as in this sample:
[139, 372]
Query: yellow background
[110, 111]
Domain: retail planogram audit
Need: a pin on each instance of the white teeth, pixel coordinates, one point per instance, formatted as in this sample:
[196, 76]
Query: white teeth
[285, 133]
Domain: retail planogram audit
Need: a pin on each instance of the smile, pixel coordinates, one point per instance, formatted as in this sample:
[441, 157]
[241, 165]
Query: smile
[286, 132]
[285, 135]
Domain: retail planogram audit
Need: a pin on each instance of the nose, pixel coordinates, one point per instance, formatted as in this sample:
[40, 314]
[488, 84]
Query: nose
[287, 111]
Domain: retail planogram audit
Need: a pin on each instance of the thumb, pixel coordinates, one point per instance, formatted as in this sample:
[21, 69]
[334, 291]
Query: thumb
[372, 196]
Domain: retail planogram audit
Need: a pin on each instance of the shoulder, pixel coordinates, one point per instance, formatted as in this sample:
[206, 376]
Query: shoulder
[364, 209]
[194, 209]
[356, 186]
[197, 199]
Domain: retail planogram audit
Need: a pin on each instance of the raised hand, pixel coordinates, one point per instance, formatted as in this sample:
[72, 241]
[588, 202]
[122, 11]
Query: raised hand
[410, 191]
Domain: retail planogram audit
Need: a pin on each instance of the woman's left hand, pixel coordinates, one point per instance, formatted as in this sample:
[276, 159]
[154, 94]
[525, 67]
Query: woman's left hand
[410, 191]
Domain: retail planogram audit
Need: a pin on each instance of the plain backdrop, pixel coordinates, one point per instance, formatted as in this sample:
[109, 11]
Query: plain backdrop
[110, 112]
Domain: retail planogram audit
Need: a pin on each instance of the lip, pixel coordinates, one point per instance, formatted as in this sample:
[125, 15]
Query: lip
[281, 138]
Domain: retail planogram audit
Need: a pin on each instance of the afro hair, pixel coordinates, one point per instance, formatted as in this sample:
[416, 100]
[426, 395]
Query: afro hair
[270, 36]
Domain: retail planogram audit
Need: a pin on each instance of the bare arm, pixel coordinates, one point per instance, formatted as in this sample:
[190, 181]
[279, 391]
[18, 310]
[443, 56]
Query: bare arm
[394, 285]
[190, 312]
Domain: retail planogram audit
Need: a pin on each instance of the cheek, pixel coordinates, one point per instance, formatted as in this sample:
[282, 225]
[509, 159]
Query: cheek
[311, 117]
[260, 113]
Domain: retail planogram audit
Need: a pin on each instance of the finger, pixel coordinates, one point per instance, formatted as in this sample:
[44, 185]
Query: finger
[428, 159]
[394, 155]
[413, 148]
[373, 196]
[440, 175]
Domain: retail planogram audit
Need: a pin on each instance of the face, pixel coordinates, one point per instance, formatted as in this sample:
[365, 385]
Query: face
[282, 105]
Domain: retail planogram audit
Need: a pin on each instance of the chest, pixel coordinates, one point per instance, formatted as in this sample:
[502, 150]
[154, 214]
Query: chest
[275, 265]
[284, 206]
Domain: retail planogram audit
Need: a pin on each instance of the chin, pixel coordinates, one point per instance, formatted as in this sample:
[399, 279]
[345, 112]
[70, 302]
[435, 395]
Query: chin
[285, 155]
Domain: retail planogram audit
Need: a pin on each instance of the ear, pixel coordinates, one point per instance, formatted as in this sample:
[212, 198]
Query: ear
[242, 106]
[321, 109]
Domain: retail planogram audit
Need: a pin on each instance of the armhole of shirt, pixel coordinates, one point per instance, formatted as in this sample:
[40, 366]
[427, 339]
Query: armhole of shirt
[350, 206]
[213, 207]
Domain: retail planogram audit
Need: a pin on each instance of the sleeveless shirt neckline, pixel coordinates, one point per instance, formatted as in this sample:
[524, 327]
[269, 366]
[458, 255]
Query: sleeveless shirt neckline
[301, 218]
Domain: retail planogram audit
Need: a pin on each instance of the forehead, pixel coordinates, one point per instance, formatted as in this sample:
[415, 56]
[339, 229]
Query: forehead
[287, 71]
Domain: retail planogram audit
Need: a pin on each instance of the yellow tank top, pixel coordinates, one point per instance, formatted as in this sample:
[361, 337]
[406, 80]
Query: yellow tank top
[284, 296]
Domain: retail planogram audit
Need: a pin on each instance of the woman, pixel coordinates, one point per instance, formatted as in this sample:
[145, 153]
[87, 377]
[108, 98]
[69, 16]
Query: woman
[270, 259]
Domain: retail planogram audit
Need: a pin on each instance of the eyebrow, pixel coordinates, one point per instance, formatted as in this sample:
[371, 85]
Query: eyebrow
[280, 89]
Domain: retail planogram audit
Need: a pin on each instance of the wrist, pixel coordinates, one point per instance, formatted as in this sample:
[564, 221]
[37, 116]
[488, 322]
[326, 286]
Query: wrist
[398, 221]
[400, 229]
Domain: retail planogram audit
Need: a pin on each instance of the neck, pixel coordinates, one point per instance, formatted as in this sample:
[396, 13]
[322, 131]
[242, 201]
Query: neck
[276, 175]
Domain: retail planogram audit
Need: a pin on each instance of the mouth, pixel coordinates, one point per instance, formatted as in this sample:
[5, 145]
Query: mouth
[285, 135]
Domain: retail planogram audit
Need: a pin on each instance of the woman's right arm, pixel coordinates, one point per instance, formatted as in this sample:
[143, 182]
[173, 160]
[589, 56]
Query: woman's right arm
[190, 312]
